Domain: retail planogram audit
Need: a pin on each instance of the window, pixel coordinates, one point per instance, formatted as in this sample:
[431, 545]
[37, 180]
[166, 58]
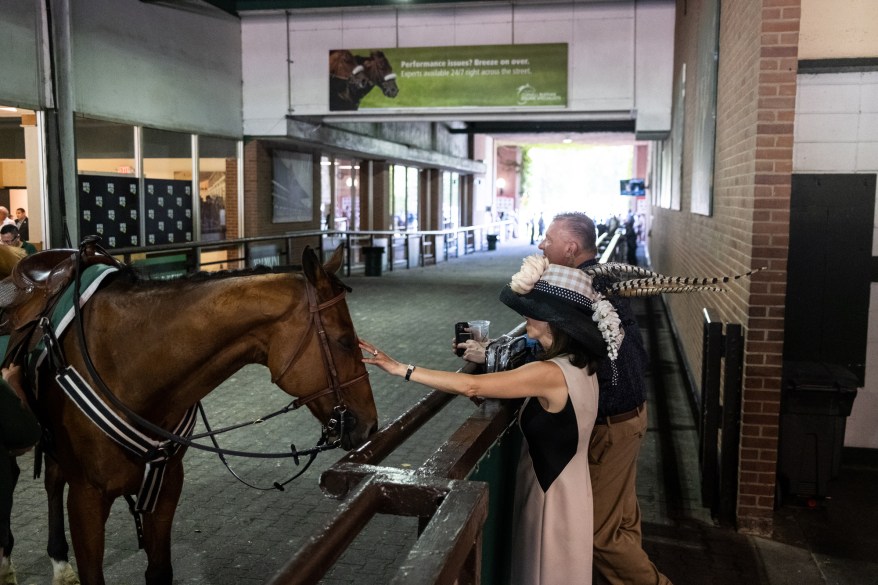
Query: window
[450, 200]
[114, 204]
[347, 188]
[404, 185]
[292, 187]
[167, 172]
[217, 174]
[108, 192]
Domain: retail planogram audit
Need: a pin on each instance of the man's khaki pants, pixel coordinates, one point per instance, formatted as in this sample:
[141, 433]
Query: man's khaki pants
[618, 554]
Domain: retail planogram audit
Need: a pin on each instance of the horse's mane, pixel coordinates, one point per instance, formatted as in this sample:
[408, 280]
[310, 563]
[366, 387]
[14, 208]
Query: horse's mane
[205, 275]
[134, 276]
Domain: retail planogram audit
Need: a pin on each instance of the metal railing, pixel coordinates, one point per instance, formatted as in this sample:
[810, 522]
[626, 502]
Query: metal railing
[403, 248]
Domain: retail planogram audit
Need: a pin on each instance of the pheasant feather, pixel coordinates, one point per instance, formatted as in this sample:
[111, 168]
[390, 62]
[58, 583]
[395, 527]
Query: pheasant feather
[633, 281]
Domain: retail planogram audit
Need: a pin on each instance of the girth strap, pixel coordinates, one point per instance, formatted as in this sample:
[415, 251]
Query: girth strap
[156, 453]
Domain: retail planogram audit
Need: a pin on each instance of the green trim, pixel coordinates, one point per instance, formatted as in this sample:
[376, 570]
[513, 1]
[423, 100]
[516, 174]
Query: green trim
[229, 6]
[245, 5]
[838, 65]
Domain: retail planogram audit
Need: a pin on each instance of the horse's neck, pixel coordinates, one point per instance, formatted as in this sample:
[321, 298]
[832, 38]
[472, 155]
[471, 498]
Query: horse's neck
[358, 94]
[188, 338]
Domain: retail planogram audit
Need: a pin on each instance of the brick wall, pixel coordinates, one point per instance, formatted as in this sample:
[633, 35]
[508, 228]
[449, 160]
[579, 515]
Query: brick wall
[231, 198]
[778, 61]
[749, 225]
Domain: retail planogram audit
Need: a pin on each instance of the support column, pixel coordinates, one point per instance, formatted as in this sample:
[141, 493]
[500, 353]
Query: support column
[375, 196]
[60, 151]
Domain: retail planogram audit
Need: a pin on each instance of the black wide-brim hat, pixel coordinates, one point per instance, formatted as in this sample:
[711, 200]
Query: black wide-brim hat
[574, 321]
[565, 298]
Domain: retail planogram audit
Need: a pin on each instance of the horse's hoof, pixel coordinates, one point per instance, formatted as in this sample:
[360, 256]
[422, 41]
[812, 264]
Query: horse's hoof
[65, 576]
[7, 572]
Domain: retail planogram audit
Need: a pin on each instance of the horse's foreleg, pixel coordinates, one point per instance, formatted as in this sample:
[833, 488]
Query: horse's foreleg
[57, 548]
[157, 528]
[8, 478]
[88, 511]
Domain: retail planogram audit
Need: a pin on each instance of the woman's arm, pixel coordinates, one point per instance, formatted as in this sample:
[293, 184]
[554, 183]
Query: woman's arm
[543, 380]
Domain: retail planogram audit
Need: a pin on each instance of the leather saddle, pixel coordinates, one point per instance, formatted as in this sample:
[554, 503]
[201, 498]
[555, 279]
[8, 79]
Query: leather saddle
[36, 281]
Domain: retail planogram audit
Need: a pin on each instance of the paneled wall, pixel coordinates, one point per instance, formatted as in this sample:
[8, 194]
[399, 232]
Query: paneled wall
[837, 132]
[21, 65]
[620, 53]
[157, 66]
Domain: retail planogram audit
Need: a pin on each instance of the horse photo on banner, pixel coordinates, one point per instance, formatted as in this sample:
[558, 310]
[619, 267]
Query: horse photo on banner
[485, 76]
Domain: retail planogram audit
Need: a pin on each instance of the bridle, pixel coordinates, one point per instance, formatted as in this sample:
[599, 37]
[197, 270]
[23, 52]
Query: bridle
[332, 432]
[341, 416]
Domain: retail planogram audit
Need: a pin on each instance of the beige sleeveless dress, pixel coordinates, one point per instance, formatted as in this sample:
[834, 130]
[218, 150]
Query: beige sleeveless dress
[553, 523]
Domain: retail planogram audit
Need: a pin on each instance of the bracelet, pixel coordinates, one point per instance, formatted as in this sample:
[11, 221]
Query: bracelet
[408, 372]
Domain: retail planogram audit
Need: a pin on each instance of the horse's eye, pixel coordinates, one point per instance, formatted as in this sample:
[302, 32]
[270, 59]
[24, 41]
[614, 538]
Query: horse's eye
[347, 343]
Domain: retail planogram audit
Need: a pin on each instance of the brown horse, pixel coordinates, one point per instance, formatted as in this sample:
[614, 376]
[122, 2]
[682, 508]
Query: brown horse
[347, 79]
[162, 346]
[379, 72]
[370, 71]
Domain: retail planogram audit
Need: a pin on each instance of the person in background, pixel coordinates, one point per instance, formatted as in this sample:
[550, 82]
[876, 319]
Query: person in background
[631, 239]
[552, 521]
[21, 223]
[9, 236]
[4, 217]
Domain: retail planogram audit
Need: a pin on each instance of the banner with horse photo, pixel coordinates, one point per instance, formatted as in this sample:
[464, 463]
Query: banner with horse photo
[485, 76]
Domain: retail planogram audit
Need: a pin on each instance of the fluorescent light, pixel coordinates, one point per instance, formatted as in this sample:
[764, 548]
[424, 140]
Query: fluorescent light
[8, 109]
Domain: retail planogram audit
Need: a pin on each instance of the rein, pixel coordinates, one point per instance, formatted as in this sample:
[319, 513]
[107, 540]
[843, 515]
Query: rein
[336, 426]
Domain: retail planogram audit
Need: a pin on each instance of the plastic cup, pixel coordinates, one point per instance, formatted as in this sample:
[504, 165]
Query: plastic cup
[479, 329]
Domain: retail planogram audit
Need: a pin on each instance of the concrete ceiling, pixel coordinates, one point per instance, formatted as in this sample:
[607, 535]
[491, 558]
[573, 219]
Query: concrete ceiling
[239, 6]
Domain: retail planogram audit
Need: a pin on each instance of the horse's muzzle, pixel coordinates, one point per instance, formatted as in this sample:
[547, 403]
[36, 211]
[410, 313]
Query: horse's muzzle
[341, 425]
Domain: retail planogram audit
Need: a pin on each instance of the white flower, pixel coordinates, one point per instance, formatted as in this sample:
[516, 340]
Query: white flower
[532, 269]
[609, 325]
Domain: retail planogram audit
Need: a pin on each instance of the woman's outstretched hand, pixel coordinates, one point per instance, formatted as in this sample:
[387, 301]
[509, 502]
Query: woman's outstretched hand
[378, 358]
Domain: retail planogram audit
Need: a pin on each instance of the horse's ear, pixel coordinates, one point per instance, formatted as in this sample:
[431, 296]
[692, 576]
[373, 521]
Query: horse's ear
[311, 265]
[312, 268]
[334, 263]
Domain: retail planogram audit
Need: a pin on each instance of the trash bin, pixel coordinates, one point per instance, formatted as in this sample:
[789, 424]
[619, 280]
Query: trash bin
[373, 257]
[816, 399]
[492, 242]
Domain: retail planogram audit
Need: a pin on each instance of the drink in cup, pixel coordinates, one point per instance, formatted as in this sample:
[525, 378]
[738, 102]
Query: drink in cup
[479, 329]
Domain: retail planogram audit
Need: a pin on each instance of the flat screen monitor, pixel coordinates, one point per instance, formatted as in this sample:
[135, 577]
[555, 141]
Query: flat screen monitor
[632, 187]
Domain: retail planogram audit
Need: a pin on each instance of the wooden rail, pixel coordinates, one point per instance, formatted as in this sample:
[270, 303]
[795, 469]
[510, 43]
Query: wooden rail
[720, 422]
[451, 509]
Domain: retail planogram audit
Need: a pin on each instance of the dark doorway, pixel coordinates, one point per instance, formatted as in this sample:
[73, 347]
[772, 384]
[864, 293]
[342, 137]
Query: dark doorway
[829, 269]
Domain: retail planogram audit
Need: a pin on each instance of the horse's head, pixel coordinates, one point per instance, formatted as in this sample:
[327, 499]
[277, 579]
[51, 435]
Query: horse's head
[344, 65]
[358, 80]
[381, 73]
[323, 368]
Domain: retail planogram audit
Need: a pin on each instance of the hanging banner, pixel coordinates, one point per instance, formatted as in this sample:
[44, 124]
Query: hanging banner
[483, 76]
